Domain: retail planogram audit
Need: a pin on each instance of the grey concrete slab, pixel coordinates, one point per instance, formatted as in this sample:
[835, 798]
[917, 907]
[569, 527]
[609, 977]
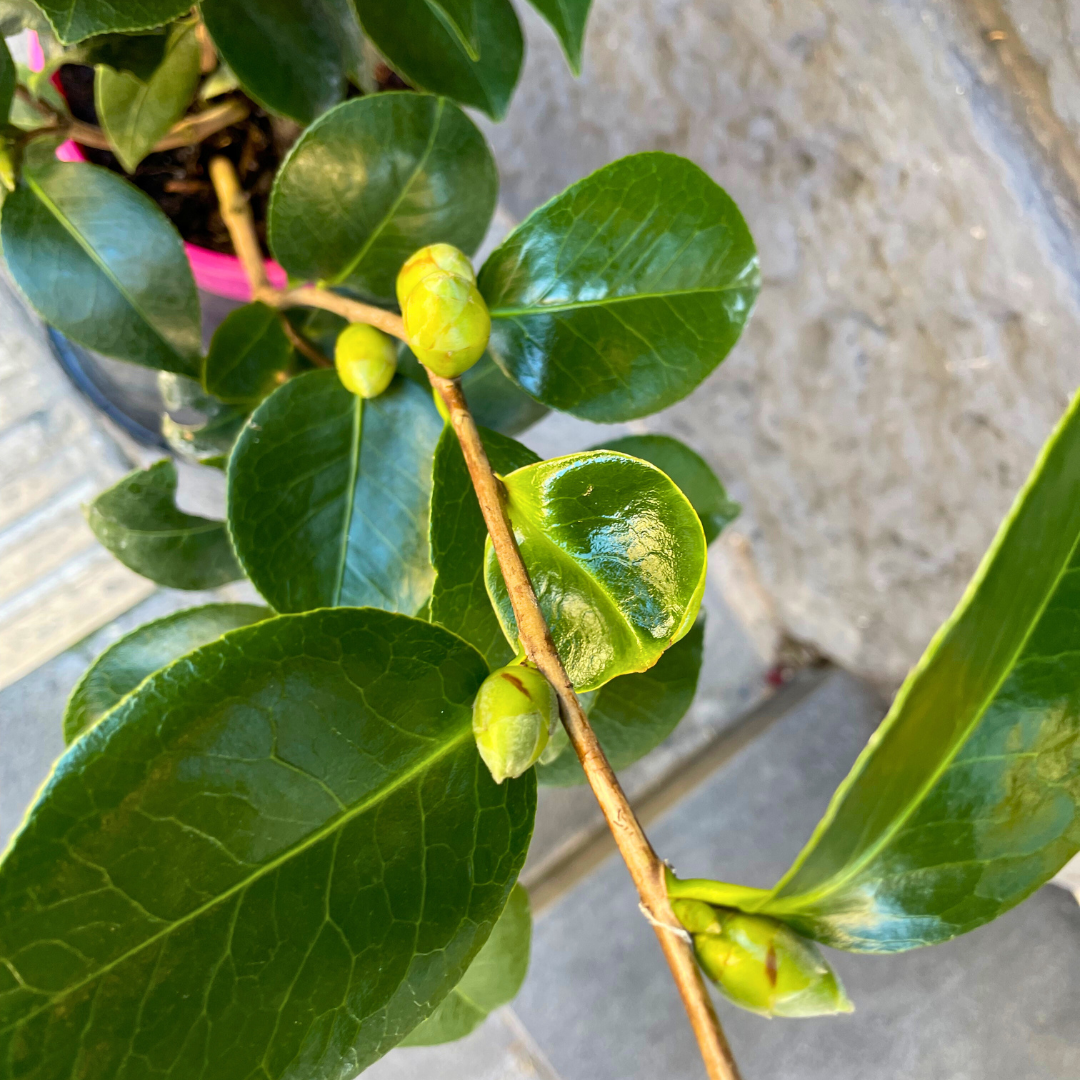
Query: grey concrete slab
[998, 1003]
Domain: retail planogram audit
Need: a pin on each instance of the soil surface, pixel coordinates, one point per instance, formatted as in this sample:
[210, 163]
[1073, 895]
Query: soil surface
[179, 180]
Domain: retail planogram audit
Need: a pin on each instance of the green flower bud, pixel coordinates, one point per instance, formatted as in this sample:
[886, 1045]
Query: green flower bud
[447, 323]
[760, 963]
[426, 261]
[513, 715]
[365, 359]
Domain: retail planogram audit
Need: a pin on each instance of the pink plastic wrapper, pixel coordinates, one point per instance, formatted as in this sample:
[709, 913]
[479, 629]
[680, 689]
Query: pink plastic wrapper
[214, 272]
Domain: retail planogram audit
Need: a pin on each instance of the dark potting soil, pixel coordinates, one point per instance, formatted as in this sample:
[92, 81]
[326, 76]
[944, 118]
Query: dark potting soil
[179, 180]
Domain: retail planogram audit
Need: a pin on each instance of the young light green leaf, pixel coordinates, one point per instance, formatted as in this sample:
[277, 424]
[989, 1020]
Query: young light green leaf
[248, 353]
[291, 56]
[134, 300]
[198, 426]
[329, 495]
[459, 599]
[138, 521]
[616, 554]
[493, 978]
[7, 81]
[691, 474]
[73, 20]
[620, 295]
[419, 44]
[135, 113]
[634, 714]
[408, 169]
[967, 798]
[567, 18]
[274, 858]
[137, 655]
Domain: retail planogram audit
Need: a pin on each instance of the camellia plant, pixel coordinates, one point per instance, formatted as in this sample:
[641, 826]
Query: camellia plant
[285, 839]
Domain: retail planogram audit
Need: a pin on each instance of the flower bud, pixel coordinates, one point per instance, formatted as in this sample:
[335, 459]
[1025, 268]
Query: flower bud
[513, 715]
[365, 359]
[447, 323]
[426, 261]
[760, 963]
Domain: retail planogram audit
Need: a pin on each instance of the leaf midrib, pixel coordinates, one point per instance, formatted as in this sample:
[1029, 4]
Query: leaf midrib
[298, 848]
[545, 309]
[102, 266]
[344, 274]
[800, 901]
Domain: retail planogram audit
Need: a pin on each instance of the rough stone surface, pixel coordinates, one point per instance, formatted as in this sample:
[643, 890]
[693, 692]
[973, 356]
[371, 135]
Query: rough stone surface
[915, 338]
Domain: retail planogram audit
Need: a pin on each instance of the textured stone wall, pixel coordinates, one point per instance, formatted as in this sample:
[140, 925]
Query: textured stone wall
[916, 336]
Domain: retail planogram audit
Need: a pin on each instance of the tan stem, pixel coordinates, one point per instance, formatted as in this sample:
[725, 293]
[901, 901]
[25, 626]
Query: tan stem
[641, 860]
[645, 867]
[236, 213]
[302, 345]
[192, 129]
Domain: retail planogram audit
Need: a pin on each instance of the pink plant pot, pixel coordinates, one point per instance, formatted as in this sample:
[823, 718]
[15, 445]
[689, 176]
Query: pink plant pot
[214, 272]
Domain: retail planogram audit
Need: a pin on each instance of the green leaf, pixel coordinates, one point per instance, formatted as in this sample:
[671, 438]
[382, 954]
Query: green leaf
[73, 20]
[494, 401]
[689, 471]
[459, 599]
[375, 179]
[616, 555]
[291, 56]
[274, 858]
[620, 295]
[139, 54]
[460, 17]
[420, 45]
[567, 18]
[197, 426]
[329, 495]
[493, 978]
[967, 798]
[137, 655]
[134, 113]
[7, 81]
[138, 521]
[634, 714]
[135, 300]
[248, 353]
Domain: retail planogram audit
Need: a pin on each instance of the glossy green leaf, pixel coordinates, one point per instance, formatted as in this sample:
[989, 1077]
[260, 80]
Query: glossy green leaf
[329, 495]
[420, 45]
[138, 521]
[459, 599]
[135, 113]
[689, 471]
[62, 229]
[248, 353]
[274, 858]
[7, 81]
[494, 401]
[634, 714]
[139, 54]
[375, 179]
[567, 18]
[73, 20]
[620, 295]
[460, 17]
[616, 554]
[198, 426]
[967, 798]
[493, 978]
[320, 328]
[146, 649]
[291, 56]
